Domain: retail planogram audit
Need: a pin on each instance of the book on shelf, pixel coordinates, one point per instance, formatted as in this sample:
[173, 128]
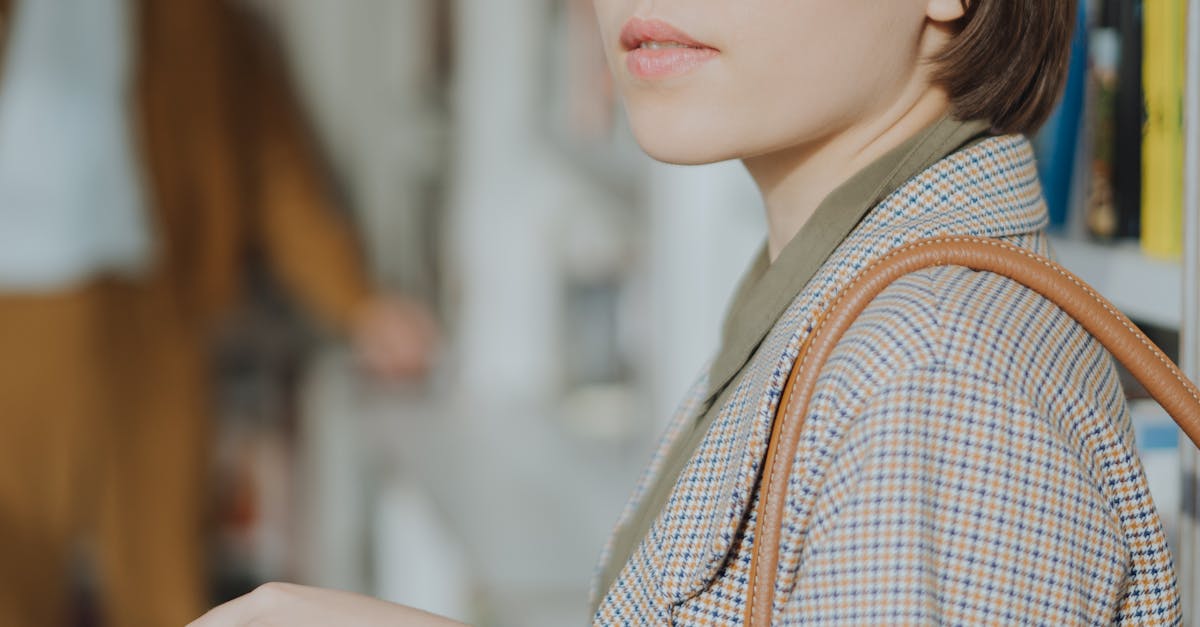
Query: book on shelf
[1129, 111]
[1058, 142]
[1163, 148]
[1101, 214]
[1118, 129]
[1095, 132]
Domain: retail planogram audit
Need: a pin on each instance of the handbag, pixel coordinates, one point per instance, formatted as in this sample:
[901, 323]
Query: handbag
[1162, 378]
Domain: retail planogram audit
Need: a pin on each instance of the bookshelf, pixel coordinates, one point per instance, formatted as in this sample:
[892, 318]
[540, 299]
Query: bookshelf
[1145, 288]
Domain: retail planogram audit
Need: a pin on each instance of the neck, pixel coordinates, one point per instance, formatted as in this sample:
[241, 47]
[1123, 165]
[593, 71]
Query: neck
[794, 181]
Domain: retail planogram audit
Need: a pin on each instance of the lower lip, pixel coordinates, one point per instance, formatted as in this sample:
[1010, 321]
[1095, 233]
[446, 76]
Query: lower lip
[648, 64]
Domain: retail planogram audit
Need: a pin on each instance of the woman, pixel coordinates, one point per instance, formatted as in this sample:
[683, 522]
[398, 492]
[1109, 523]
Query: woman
[968, 456]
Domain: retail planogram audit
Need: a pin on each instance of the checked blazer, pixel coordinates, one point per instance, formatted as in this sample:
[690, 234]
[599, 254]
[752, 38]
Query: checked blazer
[968, 456]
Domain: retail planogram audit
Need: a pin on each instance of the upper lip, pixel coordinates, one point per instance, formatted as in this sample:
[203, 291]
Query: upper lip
[638, 31]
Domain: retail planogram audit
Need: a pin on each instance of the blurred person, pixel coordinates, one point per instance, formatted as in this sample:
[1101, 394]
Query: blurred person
[145, 149]
[968, 455]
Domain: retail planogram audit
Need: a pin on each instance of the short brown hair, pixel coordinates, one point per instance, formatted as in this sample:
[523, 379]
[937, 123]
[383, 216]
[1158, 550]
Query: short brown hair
[1008, 61]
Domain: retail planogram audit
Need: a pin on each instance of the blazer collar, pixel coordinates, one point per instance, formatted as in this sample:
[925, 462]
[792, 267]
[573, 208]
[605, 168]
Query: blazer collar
[989, 189]
[770, 288]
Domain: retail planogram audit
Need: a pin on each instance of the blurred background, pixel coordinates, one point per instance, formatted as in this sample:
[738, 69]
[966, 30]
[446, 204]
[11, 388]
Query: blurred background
[380, 295]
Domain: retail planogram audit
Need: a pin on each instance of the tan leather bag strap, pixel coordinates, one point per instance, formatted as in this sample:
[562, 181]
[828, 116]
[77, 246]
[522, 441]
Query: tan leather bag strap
[1178, 396]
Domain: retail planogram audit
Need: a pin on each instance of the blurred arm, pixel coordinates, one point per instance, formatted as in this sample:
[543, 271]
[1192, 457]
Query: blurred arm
[305, 236]
[307, 240]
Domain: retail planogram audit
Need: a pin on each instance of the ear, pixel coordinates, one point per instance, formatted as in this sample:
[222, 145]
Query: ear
[946, 10]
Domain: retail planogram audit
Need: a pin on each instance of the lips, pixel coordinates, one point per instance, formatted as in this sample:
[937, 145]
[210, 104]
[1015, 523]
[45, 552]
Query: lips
[657, 50]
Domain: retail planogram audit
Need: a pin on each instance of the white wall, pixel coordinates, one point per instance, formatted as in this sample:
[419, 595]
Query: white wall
[706, 224]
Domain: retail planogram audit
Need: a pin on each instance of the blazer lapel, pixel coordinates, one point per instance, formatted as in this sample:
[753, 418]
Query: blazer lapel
[989, 189]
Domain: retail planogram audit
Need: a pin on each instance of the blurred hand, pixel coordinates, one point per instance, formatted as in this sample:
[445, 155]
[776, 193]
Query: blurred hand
[394, 338]
[291, 605]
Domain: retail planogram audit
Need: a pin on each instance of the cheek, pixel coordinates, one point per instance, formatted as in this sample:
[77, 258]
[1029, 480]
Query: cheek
[813, 77]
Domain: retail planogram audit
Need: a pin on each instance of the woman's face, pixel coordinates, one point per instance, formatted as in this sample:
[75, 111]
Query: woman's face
[709, 80]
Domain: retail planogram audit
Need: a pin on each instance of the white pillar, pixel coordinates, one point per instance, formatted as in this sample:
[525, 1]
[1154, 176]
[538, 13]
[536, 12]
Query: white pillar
[502, 265]
[419, 562]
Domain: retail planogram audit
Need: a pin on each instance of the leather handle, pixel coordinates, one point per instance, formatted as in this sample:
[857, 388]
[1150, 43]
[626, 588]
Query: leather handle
[1162, 379]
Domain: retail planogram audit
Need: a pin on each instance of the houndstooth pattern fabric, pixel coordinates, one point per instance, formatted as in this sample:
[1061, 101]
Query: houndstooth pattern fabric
[968, 456]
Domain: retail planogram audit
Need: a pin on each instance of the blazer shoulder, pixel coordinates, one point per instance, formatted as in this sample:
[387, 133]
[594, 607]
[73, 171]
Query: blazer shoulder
[967, 329]
[981, 324]
[994, 326]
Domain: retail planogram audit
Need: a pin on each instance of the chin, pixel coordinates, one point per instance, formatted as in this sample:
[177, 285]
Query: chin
[681, 139]
[683, 154]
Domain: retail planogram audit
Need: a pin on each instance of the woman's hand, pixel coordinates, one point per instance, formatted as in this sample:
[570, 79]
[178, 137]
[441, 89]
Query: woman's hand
[290, 605]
